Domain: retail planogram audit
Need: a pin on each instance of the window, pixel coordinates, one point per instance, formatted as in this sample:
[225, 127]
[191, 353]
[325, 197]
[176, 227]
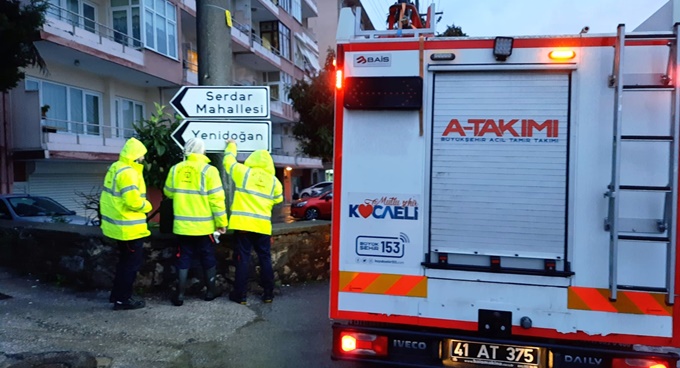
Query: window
[160, 23]
[192, 60]
[278, 83]
[77, 12]
[125, 17]
[297, 10]
[285, 5]
[278, 35]
[4, 211]
[271, 79]
[128, 112]
[70, 109]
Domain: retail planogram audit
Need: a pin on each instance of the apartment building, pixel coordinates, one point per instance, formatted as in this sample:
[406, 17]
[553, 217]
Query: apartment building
[326, 24]
[109, 61]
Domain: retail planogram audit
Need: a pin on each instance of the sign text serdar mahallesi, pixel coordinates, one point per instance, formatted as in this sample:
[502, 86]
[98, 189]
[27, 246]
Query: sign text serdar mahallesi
[233, 103]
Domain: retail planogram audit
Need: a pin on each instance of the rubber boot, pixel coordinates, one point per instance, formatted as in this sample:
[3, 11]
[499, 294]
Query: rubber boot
[210, 288]
[178, 298]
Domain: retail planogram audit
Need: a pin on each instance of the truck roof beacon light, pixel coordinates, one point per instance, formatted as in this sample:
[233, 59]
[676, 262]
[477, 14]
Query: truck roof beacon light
[502, 48]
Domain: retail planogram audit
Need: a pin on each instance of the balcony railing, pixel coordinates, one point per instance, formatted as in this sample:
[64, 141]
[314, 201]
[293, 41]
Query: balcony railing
[255, 39]
[80, 128]
[104, 32]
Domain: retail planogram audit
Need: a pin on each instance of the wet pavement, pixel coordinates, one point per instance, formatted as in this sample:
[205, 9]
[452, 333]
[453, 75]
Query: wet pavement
[67, 328]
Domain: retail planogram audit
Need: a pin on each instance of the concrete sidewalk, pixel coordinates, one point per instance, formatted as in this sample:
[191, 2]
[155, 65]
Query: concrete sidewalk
[37, 317]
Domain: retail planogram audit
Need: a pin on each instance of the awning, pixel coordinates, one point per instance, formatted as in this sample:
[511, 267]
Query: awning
[312, 59]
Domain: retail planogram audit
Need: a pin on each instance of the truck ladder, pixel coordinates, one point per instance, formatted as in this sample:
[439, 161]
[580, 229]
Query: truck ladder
[666, 227]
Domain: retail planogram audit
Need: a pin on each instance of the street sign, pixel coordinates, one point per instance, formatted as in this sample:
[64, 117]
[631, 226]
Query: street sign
[222, 102]
[249, 135]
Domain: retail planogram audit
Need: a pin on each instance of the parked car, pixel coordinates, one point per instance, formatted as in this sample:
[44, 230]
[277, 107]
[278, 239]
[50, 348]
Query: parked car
[28, 208]
[315, 189]
[319, 206]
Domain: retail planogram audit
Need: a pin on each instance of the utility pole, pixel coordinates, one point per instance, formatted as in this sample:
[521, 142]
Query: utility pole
[215, 63]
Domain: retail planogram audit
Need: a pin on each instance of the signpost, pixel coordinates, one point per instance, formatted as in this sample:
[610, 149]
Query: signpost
[222, 102]
[218, 113]
[249, 135]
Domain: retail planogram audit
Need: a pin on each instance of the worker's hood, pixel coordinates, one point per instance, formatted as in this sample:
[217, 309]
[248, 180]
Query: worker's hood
[132, 150]
[261, 159]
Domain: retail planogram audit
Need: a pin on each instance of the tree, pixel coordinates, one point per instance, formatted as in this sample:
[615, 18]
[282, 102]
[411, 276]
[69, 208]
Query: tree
[20, 25]
[452, 31]
[314, 101]
[162, 151]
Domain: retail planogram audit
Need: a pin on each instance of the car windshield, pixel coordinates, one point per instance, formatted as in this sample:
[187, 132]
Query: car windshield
[37, 206]
[323, 192]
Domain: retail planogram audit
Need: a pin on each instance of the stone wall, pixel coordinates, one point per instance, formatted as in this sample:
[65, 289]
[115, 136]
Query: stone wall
[81, 256]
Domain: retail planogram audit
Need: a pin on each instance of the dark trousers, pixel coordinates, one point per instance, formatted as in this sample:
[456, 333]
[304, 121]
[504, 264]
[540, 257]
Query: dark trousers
[130, 259]
[191, 247]
[245, 242]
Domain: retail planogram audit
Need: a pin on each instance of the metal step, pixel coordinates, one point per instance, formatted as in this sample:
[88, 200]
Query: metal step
[651, 87]
[657, 239]
[647, 138]
[643, 288]
[645, 188]
[669, 36]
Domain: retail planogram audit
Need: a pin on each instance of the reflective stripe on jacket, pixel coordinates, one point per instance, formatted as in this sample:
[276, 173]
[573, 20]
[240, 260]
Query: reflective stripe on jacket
[257, 190]
[123, 203]
[197, 196]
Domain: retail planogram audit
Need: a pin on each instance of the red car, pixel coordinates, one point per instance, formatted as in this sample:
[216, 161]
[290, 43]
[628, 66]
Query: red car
[316, 207]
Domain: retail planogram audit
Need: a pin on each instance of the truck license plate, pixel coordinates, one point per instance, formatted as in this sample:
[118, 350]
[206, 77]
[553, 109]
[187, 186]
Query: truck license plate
[493, 354]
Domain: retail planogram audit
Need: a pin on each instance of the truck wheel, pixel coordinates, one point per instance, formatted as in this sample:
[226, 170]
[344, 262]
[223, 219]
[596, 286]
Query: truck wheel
[311, 214]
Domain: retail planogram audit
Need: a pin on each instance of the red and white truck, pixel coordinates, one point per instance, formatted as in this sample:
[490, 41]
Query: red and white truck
[507, 202]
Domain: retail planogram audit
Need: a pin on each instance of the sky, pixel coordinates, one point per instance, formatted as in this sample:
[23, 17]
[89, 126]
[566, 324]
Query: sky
[490, 18]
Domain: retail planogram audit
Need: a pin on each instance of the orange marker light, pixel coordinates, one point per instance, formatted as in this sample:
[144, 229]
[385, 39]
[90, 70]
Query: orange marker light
[338, 79]
[562, 54]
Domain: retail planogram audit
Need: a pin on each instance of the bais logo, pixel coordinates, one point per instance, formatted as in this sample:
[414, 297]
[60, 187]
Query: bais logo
[385, 207]
[373, 60]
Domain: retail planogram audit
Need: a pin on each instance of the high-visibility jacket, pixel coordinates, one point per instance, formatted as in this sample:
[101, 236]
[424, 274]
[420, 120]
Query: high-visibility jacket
[197, 196]
[123, 203]
[257, 190]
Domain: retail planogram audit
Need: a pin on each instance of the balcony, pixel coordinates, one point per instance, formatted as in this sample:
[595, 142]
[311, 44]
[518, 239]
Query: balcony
[309, 9]
[77, 42]
[98, 37]
[261, 7]
[41, 137]
[253, 51]
[282, 112]
[81, 140]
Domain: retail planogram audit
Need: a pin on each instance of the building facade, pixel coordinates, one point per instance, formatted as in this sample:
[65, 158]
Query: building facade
[111, 61]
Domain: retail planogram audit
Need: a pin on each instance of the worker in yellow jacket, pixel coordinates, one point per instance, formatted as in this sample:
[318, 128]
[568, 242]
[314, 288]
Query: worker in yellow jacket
[257, 191]
[199, 211]
[123, 207]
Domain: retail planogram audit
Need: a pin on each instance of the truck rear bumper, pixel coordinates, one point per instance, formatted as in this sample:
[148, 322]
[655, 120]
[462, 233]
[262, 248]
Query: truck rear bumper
[399, 346]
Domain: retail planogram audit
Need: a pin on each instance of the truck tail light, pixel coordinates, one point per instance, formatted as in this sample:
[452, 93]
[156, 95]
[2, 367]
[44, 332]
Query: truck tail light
[562, 54]
[363, 344]
[338, 79]
[638, 363]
